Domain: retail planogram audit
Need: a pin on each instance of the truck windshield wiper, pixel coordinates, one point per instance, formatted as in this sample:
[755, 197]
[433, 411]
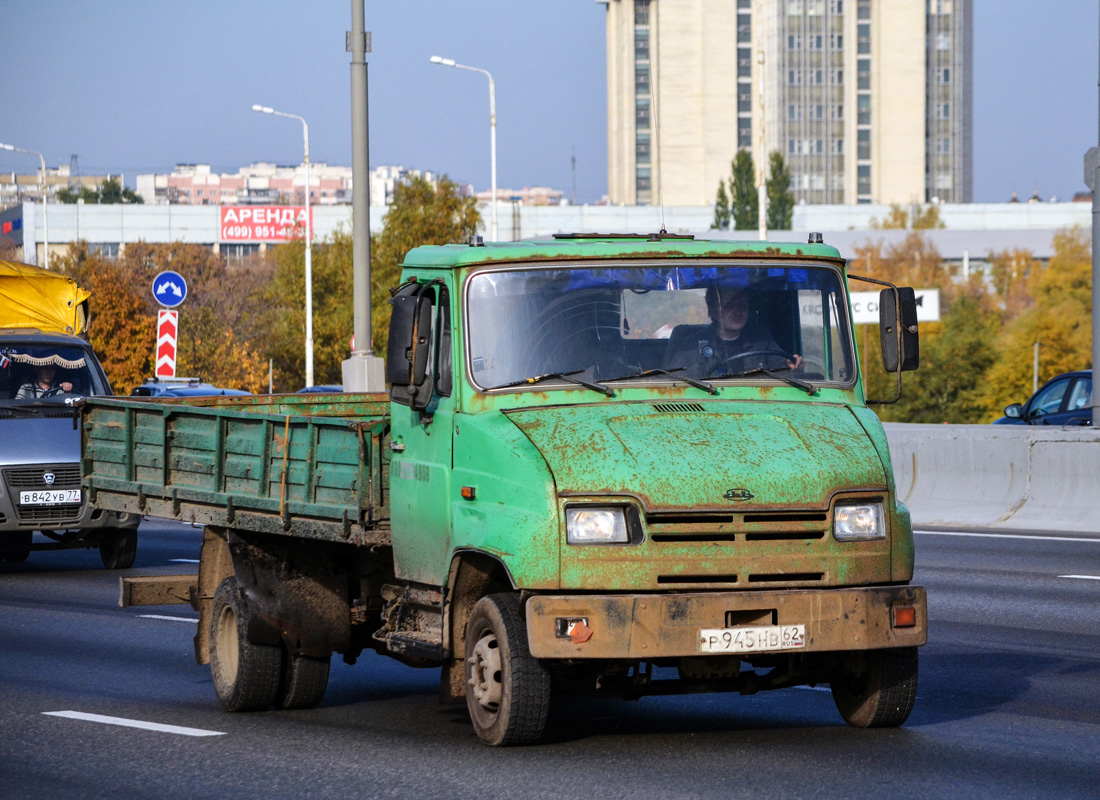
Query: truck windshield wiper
[709, 388]
[806, 387]
[565, 376]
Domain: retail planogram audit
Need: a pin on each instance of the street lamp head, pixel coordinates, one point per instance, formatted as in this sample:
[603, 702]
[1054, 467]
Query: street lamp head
[447, 62]
[263, 109]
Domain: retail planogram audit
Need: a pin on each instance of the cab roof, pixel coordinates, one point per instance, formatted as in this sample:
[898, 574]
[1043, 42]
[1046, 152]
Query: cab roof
[586, 246]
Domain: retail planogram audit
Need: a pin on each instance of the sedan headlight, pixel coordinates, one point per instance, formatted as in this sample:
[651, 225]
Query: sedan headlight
[858, 522]
[595, 525]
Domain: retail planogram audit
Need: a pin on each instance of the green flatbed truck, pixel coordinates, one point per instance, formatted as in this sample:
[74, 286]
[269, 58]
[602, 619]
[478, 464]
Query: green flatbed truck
[606, 464]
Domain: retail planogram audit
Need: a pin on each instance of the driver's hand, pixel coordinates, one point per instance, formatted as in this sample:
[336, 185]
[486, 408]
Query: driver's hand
[795, 361]
[66, 386]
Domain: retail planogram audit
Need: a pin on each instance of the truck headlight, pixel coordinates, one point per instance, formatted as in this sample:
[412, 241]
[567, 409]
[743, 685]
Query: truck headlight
[595, 525]
[857, 522]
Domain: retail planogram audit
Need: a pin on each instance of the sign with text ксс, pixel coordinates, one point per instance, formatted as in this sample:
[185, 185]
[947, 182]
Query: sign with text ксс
[262, 223]
[865, 306]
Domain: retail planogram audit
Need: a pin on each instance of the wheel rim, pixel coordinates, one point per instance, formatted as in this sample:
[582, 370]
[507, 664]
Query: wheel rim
[228, 646]
[485, 673]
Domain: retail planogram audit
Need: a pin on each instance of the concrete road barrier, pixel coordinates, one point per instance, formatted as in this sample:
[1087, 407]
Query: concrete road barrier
[998, 476]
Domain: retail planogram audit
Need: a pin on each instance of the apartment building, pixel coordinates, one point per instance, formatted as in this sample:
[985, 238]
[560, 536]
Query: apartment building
[869, 101]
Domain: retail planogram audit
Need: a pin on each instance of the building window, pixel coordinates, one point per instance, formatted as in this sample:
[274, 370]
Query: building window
[744, 64]
[836, 147]
[106, 249]
[863, 9]
[794, 147]
[641, 45]
[943, 76]
[744, 98]
[863, 109]
[641, 148]
[744, 134]
[863, 74]
[943, 145]
[744, 28]
[943, 111]
[837, 77]
[943, 41]
[643, 179]
[836, 7]
[815, 77]
[836, 112]
[863, 179]
[815, 8]
[641, 79]
[941, 7]
[794, 112]
[641, 12]
[641, 112]
[794, 77]
[815, 41]
[794, 41]
[863, 144]
[943, 180]
[863, 39]
[836, 41]
[794, 8]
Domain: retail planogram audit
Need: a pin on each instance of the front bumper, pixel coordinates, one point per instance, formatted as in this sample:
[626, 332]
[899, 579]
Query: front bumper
[649, 626]
[70, 516]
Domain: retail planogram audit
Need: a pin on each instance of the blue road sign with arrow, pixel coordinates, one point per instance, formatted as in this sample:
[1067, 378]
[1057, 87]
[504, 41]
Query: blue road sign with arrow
[169, 288]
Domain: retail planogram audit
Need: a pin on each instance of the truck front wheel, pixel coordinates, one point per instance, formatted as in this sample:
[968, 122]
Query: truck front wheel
[508, 691]
[246, 675]
[879, 691]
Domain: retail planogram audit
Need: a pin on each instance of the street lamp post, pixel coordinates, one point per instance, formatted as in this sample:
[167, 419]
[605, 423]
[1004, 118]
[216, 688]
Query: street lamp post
[45, 216]
[309, 242]
[450, 62]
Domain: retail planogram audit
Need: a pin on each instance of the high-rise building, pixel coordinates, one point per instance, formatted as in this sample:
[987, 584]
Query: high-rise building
[869, 101]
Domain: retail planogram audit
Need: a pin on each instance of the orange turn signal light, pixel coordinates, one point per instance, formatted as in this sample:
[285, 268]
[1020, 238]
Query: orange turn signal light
[468, 492]
[905, 616]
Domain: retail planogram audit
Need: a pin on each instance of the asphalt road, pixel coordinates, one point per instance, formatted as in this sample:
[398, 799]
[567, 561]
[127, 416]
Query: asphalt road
[1008, 704]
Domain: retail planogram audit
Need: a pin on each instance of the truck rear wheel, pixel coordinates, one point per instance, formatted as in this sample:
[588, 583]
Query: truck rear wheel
[881, 692]
[246, 675]
[508, 691]
[118, 548]
[305, 679]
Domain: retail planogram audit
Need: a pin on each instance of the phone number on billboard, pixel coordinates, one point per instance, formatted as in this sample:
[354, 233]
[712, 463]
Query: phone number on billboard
[263, 232]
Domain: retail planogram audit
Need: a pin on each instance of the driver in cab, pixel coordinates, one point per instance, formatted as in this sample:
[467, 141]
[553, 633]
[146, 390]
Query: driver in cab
[734, 342]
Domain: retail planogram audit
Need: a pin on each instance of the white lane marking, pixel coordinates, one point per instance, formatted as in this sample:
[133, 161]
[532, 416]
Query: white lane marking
[813, 688]
[133, 723]
[172, 619]
[1082, 577]
[1012, 536]
[184, 560]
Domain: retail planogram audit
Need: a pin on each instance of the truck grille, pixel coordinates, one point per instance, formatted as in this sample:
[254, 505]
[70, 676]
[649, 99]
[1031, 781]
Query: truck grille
[687, 526]
[18, 479]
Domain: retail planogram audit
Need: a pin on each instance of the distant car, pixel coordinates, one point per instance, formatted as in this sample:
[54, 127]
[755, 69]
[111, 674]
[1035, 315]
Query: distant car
[181, 387]
[323, 389]
[1063, 400]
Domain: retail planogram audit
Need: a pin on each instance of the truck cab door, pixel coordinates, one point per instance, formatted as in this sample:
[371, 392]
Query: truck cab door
[421, 444]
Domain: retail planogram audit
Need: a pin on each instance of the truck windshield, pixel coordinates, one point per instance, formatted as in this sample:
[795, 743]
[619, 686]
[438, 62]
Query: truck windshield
[47, 372]
[712, 323]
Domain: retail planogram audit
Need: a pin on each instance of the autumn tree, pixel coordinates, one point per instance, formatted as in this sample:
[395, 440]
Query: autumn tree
[917, 218]
[744, 202]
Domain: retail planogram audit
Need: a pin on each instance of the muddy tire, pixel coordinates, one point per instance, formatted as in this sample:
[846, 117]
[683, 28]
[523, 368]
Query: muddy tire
[16, 546]
[882, 692]
[118, 548]
[303, 683]
[507, 690]
[246, 675]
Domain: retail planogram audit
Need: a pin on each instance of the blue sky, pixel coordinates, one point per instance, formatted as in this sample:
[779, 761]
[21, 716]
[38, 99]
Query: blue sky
[135, 87]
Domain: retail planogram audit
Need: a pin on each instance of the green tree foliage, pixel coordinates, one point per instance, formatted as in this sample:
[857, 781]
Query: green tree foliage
[744, 202]
[780, 196]
[111, 191]
[420, 214]
[721, 208]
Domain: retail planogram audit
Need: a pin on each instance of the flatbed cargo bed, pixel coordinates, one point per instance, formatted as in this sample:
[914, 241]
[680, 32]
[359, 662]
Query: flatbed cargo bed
[311, 466]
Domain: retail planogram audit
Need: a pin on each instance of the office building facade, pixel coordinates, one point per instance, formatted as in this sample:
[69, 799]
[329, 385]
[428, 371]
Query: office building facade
[869, 101]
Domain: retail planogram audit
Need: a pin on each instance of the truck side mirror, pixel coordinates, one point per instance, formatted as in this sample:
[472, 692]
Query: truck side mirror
[409, 346]
[900, 343]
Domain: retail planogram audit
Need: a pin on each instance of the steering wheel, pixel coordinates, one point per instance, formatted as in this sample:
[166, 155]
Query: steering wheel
[749, 354]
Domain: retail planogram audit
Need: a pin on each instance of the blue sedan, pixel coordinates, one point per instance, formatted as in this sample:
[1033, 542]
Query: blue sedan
[1063, 400]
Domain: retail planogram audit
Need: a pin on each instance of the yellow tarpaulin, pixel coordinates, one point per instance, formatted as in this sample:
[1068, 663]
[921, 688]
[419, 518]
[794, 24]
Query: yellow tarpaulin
[32, 297]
